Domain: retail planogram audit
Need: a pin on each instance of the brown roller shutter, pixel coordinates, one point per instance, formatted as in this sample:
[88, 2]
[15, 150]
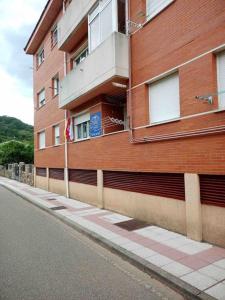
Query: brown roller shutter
[213, 189]
[165, 185]
[56, 174]
[83, 176]
[41, 172]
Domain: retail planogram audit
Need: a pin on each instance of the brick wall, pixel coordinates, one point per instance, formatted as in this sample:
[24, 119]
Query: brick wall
[182, 31]
[48, 115]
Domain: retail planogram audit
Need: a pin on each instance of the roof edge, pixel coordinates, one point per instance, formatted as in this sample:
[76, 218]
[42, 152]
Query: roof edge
[30, 47]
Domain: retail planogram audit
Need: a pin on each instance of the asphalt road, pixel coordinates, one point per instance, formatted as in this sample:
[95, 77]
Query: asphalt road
[43, 259]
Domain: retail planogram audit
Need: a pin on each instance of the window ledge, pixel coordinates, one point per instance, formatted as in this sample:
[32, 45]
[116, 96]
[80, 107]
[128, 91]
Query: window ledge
[38, 108]
[164, 122]
[81, 140]
[115, 132]
[55, 96]
[222, 109]
[103, 135]
[53, 45]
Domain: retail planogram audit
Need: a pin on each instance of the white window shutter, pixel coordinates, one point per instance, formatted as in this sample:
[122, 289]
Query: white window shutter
[153, 7]
[164, 99]
[41, 98]
[82, 118]
[57, 135]
[106, 21]
[94, 32]
[56, 131]
[221, 78]
[42, 140]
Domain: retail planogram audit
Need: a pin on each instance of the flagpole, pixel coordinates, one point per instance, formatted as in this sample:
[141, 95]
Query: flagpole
[66, 144]
[66, 159]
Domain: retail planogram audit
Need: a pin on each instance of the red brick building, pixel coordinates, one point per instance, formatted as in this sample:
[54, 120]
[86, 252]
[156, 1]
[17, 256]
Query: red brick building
[142, 84]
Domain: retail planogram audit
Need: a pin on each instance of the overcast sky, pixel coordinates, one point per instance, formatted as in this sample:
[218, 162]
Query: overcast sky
[17, 21]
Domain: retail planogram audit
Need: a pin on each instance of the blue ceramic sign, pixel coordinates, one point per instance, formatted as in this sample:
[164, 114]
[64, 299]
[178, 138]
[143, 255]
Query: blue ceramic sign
[96, 124]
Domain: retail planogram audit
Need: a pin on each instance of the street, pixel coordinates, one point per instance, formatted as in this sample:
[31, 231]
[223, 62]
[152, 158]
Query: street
[41, 258]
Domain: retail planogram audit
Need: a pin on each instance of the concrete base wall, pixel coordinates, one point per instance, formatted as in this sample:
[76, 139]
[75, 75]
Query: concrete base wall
[57, 186]
[41, 182]
[84, 192]
[175, 215]
[213, 221]
[165, 212]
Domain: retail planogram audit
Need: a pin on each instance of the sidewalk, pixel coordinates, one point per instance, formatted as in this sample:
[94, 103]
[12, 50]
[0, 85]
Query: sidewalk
[196, 268]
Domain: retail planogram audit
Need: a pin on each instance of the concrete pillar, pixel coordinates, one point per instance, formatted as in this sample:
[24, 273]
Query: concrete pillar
[100, 189]
[15, 171]
[193, 207]
[34, 175]
[66, 179]
[47, 176]
[21, 170]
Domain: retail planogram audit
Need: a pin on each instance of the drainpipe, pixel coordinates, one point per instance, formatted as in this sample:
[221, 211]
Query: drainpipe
[66, 144]
[129, 95]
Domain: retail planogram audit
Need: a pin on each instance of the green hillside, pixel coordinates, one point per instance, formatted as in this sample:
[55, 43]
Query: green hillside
[14, 129]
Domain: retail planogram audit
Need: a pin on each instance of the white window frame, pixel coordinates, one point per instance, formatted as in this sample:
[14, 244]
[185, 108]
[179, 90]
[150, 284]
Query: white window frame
[54, 37]
[40, 134]
[177, 107]
[98, 9]
[56, 135]
[40, 56]
[86, 51]
[41, 102]
[79, 121]
[220, 63]
[55, 85]
[162, 6]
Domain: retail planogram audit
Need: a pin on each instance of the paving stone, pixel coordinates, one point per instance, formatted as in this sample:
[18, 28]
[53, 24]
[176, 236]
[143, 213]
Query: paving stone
[217, 291]
[159, 260]
[177, 269]
[144, 252]
[214, 272]
[220, 263]
[199, 280]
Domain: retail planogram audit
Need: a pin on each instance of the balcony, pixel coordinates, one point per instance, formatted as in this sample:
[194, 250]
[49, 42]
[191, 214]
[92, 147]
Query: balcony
[74, 19]
[98, 73]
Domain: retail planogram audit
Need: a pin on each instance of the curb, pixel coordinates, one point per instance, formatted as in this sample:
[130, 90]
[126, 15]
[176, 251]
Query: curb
[185, 289]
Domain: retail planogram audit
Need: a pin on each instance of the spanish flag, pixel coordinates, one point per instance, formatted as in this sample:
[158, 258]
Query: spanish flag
[69, 134]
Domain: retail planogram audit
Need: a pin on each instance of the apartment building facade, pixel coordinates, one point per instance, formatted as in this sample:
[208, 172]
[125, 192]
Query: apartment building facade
[129, 100]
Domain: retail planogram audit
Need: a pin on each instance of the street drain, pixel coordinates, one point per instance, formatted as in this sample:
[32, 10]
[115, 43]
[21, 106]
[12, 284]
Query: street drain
[51, 199]
[131, 225]
[58, 208]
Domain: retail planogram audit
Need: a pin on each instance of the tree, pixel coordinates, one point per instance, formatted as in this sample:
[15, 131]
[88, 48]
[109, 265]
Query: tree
[14, 129]
[15, 152]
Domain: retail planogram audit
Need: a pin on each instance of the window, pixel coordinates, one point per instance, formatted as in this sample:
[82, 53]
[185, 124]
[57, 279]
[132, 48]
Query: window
[82, 126]
[55, 85]
[41, 98]
[79, 58]
[153, 7]
[42, 140]
[102, 22]
[56, 135]
[221, 78]
[164, 99]
[54, 36]
[67, 3]
[40, 57]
